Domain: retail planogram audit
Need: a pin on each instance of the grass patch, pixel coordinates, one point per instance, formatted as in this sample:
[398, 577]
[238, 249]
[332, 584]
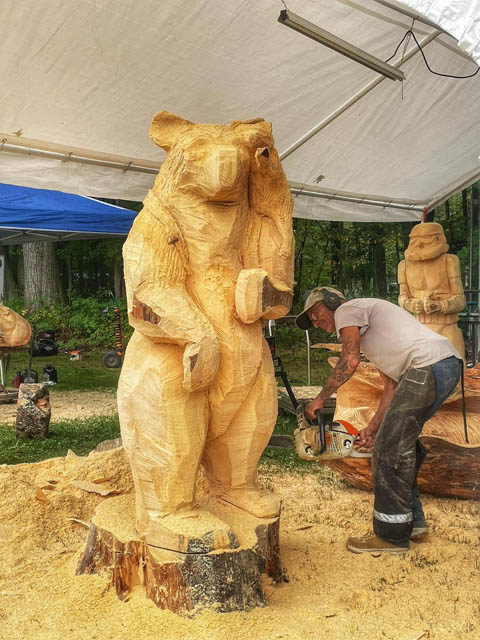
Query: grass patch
[81, 436]
[87, 374]
[90, 374]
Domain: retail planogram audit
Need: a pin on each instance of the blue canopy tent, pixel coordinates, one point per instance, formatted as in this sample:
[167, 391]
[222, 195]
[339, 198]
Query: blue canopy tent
[35, 215]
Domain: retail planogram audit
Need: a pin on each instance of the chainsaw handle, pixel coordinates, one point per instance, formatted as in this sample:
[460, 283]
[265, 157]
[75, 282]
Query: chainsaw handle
[321, 430]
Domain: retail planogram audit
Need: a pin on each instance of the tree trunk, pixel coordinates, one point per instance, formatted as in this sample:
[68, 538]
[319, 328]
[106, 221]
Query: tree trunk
[69, 276]
[11, 285]
[465, 212]
[406, 228]
[118, 285]
[299, 260]
[42, 277]
[337, 237]
[380, 268]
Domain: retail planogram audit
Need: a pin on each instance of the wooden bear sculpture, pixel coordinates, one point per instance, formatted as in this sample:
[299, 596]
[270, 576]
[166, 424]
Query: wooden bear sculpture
[210, 255]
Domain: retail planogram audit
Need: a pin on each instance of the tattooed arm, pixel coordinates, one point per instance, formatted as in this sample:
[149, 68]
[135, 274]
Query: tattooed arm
[346, 366]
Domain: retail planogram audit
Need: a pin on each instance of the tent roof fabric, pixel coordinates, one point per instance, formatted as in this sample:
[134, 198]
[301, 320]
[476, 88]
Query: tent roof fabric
[29, 215]
[90, 77]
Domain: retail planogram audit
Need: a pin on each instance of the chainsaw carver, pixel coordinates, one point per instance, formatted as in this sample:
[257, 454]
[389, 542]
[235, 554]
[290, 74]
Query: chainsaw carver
[420, 369]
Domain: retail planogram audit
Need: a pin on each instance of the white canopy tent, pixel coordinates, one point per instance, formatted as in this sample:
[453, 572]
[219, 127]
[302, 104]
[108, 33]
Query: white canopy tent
[81, 80]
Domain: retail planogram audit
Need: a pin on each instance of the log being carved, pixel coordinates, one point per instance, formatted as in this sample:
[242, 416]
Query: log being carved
[210, 255]
[431, 284]
[15, 331]
[452, 467]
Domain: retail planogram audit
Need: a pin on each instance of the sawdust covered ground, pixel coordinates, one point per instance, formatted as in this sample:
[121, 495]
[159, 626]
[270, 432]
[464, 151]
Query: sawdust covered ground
[432, 592]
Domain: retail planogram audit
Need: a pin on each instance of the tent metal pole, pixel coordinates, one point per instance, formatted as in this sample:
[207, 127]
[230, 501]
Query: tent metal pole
[411, 14]
[390, 204]
[474, 177]
[69, 156]
[355, 98]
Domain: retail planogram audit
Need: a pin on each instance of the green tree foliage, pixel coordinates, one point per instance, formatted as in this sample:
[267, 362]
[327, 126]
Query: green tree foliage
[360, 258]
[79, 324]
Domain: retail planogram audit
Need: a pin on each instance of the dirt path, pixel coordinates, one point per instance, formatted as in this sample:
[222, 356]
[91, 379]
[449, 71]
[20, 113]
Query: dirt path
[69, 405]
[432, 592]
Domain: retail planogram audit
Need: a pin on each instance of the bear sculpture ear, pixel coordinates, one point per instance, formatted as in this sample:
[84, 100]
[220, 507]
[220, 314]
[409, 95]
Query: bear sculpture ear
[166, 128]
[260, 125]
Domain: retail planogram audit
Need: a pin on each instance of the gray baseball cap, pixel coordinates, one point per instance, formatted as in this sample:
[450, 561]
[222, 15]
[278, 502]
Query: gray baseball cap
[332, 299]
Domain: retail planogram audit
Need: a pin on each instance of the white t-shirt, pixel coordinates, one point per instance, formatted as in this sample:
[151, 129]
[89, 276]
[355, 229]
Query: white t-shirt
[391, 338]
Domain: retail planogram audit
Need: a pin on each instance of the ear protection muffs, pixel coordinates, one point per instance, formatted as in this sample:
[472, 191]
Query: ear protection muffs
[330, 299]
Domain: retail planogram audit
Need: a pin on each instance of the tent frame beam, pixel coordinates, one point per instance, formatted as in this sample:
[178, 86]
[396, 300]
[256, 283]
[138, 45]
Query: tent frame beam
[467, 182]
[12, 144]
[355, 98]
[304, 190]
[410, 14]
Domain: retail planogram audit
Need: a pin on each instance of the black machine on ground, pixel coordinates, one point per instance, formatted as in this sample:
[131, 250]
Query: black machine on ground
[44, 344]
[113, 357]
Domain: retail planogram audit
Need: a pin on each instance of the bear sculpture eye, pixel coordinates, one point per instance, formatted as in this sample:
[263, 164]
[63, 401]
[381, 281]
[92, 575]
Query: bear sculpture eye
[265, 153]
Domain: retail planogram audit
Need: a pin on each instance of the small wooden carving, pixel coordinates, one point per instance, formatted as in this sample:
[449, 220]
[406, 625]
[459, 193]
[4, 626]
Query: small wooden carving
[431, 284]
[33, 411]
[15, 331]
[210, 255]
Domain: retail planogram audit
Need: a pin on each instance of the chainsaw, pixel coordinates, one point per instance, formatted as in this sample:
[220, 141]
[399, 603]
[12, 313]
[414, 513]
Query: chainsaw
[322, 442]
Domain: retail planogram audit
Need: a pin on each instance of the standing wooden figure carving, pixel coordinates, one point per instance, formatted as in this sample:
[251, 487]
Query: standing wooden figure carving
[431, 283]
[209, 255]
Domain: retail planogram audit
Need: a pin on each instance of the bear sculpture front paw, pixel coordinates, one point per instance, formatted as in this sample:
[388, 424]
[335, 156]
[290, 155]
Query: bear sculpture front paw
[258, 502]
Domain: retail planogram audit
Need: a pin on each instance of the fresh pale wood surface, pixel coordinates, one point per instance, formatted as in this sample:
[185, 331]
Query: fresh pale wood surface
[452, 467]
[357, 401]
[15, 331]
[210, 255]
[431, 284]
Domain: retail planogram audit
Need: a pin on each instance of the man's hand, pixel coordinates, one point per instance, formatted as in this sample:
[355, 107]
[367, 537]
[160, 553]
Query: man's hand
[366, 437]
[313, 407]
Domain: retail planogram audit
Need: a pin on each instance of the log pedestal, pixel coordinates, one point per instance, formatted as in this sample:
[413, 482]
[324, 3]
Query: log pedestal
[227, 580]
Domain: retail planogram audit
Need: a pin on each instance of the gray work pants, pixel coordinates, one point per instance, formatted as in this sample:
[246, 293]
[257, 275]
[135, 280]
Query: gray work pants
[397, 454]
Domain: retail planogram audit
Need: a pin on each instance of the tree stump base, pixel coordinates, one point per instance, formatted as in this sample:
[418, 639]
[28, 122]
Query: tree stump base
[226, 580]
[33, 411]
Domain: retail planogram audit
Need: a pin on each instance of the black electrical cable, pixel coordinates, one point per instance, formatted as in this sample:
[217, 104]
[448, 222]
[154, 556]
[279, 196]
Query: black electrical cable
[463, 405]
[437, 73]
